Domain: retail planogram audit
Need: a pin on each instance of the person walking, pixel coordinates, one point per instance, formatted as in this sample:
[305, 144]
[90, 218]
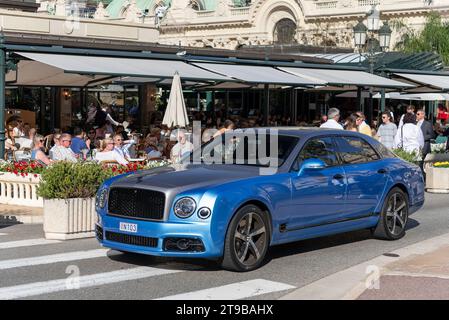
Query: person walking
[411, 110]
[409, 137]
[387, 131]
[350, 123]
[428, 134]
[333, 116]
[362, 126]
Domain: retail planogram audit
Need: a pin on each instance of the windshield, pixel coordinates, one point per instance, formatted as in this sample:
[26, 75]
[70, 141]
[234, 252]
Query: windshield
[246, 148]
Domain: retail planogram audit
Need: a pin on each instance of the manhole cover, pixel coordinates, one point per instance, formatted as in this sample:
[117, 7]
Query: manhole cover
[393, 255]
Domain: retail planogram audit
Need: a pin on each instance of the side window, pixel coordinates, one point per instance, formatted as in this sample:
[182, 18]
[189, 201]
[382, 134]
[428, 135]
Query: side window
[384, 151]
[319, 148]
[355, 150]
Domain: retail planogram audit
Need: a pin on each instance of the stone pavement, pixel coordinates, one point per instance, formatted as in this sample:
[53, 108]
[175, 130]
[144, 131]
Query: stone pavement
[418, 271]
[12, 214]
[420, 276]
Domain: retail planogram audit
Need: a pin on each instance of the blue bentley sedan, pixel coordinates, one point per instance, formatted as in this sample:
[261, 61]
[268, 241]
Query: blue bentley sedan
[243, 192]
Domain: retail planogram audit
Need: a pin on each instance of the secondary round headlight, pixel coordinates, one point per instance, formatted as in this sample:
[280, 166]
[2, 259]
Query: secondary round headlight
[102, 197]
[184, 207]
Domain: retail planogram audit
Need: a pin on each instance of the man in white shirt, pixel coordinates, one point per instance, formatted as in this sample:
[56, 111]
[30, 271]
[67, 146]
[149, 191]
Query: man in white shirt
[182, 148]
[333, 116]
[64, 153]
[121, 148]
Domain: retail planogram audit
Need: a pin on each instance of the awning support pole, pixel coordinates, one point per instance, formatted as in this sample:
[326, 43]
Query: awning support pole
[267, 103]
[382, 100]
[359, 98]
[2, 96]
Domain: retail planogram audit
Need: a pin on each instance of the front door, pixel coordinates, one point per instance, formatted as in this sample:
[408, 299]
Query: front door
[318, 196]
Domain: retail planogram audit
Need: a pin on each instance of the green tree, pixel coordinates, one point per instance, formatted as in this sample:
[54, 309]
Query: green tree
[434, 37]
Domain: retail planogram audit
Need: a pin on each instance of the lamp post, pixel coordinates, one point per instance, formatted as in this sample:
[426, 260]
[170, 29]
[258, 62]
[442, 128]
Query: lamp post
[365, 37]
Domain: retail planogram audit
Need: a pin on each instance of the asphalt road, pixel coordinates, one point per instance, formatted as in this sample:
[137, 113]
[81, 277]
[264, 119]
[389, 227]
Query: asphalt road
[25, 275]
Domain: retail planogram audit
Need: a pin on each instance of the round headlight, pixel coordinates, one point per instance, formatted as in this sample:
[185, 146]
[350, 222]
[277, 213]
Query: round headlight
[185, 207]
[102, 197]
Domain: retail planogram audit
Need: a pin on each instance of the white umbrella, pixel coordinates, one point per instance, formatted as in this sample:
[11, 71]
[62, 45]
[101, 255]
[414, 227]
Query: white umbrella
[176, 113]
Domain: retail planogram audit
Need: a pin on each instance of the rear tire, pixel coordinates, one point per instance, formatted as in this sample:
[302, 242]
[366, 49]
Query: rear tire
[247, 240]
[394, 216]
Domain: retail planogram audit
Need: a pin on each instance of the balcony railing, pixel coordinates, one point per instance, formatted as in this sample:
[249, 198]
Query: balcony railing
[240, 11]
[366, 3]
[326, 5]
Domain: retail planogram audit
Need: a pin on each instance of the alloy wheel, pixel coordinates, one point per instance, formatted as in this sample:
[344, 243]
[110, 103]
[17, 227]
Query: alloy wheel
[396, 215]
[250, 239]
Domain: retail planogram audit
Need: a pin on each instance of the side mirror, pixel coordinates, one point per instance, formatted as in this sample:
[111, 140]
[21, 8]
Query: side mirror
[312, 164]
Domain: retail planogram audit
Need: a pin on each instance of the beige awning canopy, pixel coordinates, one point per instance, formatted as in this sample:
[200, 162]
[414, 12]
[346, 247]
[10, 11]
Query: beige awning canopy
[48, 69]
[34, 73]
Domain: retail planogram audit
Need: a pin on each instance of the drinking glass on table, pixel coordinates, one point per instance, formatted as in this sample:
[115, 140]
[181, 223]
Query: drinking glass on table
[84, 151]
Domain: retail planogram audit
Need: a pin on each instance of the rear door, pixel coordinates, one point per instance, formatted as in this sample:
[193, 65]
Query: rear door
[318, 196]
[366, 173]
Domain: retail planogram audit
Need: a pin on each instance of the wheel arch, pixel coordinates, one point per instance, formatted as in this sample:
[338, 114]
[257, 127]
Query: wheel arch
[261, 205]
[402, 187]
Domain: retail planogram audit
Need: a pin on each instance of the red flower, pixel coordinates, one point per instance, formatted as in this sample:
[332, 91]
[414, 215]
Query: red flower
[35, 175]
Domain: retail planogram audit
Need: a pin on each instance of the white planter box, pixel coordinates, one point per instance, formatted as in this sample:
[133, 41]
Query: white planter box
[66, 219]
[437, 180]
[18, 190]
[434, 157]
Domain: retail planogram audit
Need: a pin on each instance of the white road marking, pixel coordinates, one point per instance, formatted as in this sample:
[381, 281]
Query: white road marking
[26, 243]
[3, 234]
[54, 258]
[45, 287]
[234, 291]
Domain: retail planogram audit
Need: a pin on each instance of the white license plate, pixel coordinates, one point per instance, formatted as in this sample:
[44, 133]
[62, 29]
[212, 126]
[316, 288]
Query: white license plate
[128, 227]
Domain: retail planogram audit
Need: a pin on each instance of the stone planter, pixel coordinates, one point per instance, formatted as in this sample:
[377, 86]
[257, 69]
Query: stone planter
[20, 191]
[434, 157]
[437, 180]
[66, 219]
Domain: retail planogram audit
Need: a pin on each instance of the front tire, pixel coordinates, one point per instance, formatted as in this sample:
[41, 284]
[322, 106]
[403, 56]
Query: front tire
[394, 216]
[247, 240]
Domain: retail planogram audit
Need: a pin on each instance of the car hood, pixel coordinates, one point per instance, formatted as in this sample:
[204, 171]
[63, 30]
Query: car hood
[186, 176]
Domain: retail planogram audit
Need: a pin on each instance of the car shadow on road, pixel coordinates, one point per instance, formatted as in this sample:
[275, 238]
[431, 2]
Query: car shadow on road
[284, 250]
[309, 245]
[187, 264]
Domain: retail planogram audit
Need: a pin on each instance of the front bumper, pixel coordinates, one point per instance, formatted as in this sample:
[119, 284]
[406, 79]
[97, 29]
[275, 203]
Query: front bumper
[161, 230]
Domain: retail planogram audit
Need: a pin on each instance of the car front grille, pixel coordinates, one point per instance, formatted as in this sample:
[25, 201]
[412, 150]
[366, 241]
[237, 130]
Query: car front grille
[99, 232]
[136, 203]
[131, 239]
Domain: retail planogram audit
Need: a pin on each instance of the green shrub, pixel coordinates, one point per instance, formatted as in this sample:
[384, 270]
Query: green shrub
[64, 180]
[407, 156]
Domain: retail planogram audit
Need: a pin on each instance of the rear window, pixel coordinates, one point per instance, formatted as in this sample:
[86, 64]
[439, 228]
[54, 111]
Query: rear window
[355, 150]
[384, 152]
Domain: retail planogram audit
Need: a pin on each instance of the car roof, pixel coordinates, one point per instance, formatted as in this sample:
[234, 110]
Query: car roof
[305, 131]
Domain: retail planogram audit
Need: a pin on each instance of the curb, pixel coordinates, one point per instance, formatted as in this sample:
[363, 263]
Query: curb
[350, 283]
[21, 219]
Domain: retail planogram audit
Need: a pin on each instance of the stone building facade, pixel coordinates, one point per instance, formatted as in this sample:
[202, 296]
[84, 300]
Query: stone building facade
[229, 24]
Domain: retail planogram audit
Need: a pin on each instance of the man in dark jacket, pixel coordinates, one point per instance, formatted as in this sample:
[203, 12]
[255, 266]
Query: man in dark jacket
[427, 130]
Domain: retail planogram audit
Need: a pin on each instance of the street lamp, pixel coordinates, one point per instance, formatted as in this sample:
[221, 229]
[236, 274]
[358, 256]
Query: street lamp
[385, 36]
[365, 36]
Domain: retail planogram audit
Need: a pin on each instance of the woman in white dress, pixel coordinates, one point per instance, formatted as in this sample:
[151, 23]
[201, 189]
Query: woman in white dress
[107, 152]
[409, 137]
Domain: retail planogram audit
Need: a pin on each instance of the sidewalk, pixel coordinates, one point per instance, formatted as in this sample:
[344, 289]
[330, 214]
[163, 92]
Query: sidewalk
[12, 214]
[418, 271]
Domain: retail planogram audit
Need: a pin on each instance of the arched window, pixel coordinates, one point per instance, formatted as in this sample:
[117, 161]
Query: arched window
[284, 32]
[195, 5]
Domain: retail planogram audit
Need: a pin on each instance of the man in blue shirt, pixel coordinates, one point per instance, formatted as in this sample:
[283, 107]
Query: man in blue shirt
[78, 142]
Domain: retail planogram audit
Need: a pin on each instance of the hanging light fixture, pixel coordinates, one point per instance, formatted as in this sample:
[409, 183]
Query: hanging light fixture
[385, 36]
[373, 19]
[360, 34]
